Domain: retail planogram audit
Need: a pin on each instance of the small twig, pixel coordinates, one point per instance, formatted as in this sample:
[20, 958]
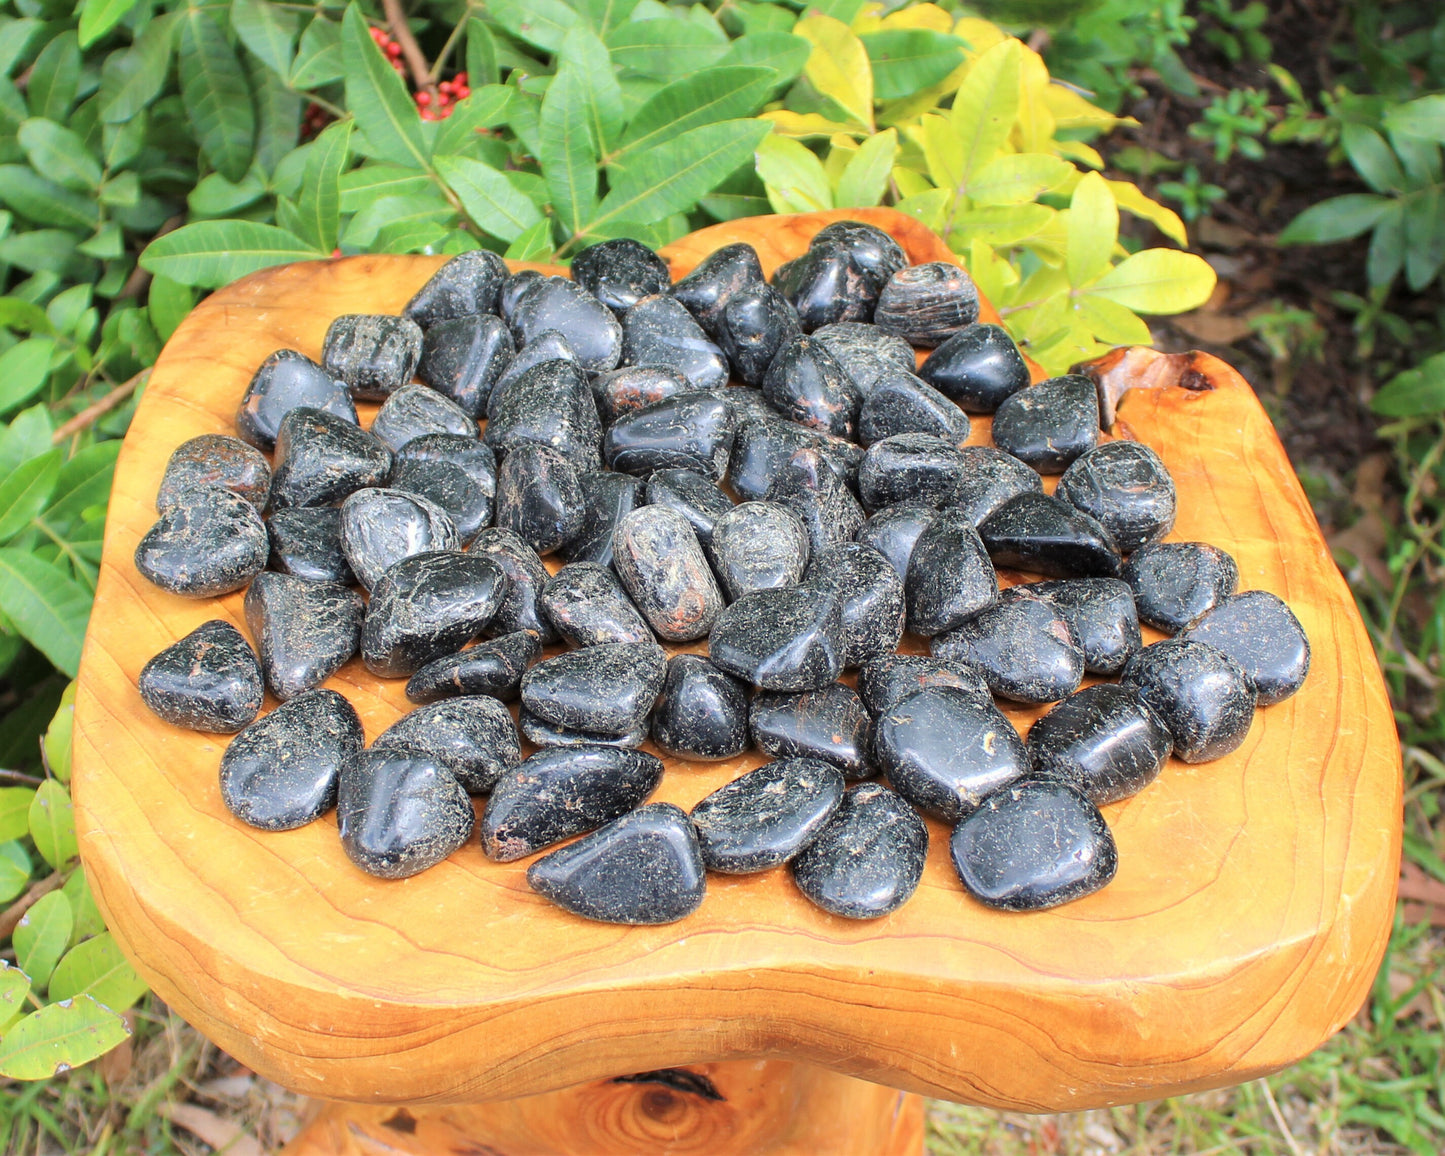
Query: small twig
[441, 61]
[139, 280]
[410, 50]
[20, 777]
[1279, 1119]
[12, 915]
[98, 409]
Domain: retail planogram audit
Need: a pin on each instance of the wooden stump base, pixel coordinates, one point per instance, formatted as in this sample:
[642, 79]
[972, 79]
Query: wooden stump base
[740, 1108]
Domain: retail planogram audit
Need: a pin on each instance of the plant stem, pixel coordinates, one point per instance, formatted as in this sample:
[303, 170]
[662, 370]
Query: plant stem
[436, 69]
[13, 914]
[98, 409]
[410, 50]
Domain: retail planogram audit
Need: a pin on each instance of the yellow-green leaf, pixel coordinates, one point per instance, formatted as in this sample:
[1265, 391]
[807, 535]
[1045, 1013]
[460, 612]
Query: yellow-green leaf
[794, 176]
[98, 969]
[928, 207]
[1080, 153]
[942, 151]
[55, 746]
[1035, 126]
[865, 178]
[987, 104]
[1093, 229]
[52, 824]
[1016, 179]
[838, 66]
[804, 125]
[909, 182]
[58, 1037]
[15, 812]
[994, 276]
[1165, 220]
[1000, 224]
[42, 935]
[14, 987]
[1111, 322]
[979, 34]
[1072, 111]
[1158, 281]
[842, 148]
[929, 16]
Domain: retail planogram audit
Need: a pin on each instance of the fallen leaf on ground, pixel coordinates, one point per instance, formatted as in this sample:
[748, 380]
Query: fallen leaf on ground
[220, 1133]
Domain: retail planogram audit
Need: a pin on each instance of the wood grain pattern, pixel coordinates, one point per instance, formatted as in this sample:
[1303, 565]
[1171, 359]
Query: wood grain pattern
[1250, 910]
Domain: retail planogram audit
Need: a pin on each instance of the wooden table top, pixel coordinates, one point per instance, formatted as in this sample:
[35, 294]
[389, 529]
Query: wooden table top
[1250, 910]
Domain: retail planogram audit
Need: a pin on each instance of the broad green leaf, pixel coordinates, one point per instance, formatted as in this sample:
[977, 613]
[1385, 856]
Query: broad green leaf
[492, 202]
[1158, 281]
[565, 147]
[483, 109]
[482, 66]
[928, 207]
[838, 66]
[88, 920]
[130, 80]
[865, 179]
[14, 987]
[318, 56]
[25, 492]
[59, 154]
[55, 745]
[52, 824]
[391, 212]
[168, 302]
[59, 1037]
[1335, 219]
[540, 22]
[28, 434]
[588, 61]
[1129, 198]
[1372, 158]
[319, 206]
[986, 105]
[15, 812]
[842, 10]
[415, 236]
[712, 95]
[907, 59]
[377, 97]
[1425, 226]
[14, 871]
[216, 94]
[993, 275]
[48, 251]
[23, 370]
[807, 125]
[98, 969]
[54, 78]
[214, 196]
[41, 936]
[278, 119]
[268, 30]
[794, 176]
[26, 316]
[1110, 322]
[97, 17]
[1414, 392]
[665, 48]
[942, 152]
[83, 484]
[533, 244]
[1000, 224]
[605, 15]
[45, 202]
[363, 186]
[209, 254]
[1016, 178]
[1093, 229]
[1424, 117]
[1387, 246]
[786, 54]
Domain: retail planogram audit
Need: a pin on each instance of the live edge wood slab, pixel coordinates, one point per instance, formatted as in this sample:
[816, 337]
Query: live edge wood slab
[1249, 914]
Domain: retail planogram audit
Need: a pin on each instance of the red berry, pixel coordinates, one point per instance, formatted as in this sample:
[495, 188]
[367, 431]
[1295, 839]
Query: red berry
[393, 48]
[423, 99]
[461, 78]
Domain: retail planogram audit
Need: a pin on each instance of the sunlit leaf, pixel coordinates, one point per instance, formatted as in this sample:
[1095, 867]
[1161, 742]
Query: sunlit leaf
[794, 176]
[1158, 281]
[41, 937]
[865, 179]
[216, 93]
[488, 197]
[1093, 229]
[58, 1037]
[319, 206]
[377, 97]
[214, 253]
[566, 148]
[98, 969]
[1164, 219]
[838, 66]
[52, 824]
[1110, 322]
[986, 105]
[1016, 178]
[25, 492]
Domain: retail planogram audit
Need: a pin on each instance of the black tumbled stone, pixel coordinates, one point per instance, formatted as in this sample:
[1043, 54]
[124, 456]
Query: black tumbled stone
[695, 497]
[658, 558]
[659, 331]
[1126, 487]
[589, 326]
[763, 446]
[1022, 645]
[910, 468]
[306, 542]
[1042, 534]
[304, 631]
[900, 402]
[541, 733]
[1103, 741]
[1051, 424]
[463, 359]
[870, 599]
[706, 291]
[1199, 692]
[868, 858]
[589, 607]
[890, 678]
[494, 667]
[400, 812]
[474, 458]
[806, 384]
[607, 498]
[473, 737]
[866, 352]
[608, 688]
[1261, 633]
[216, 460]
[450, 488]
[467, 284]
[525, 578]
[427, 606]
[285, 381]
[414, 411]
[894, 530]
[789, 638]
[623, 391]
[548, 346]
[513, 289]
[692, 431]
[374, 353]
[539, 497]
[876, 253]
[209, 541]
[978, 367]
[1101, 616]
[927, 304]
[758, 546]
[1176, 582]
[380, 527]
[829, 724]
[548, 405]
[765, 817]
[950, 576]
[826, 285]
[808, 486]
[321, 460]
[990, 478]
[620, 273]
[701, 712]
[207, 681]
[756, 324]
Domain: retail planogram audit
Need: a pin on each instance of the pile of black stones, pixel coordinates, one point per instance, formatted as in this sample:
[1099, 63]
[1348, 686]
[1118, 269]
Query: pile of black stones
[799, 522]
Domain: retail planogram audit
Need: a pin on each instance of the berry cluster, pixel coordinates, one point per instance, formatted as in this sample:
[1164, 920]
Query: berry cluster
[448, 93]
[389, 48]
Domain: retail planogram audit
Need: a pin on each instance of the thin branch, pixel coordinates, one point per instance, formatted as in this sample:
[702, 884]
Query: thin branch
[13, 914]
[410, 50]
[20, 777]
[441, 61]
[98, 409]
[139, 280]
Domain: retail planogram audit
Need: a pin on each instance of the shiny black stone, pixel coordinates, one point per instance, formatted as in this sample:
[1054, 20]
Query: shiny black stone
[1103, 741]
[539, 497]
[476, 459]
[463, 358]
[1261, 633]
[374, 353]
[561, 792]
[1176, 582]
[808, 486]
[621, 272]
[428, 606]
[829, 724]
[890, 678]
[765, 817]
[692, 431]
[749, 404]
[758, 546]
[380, 527]
[806, 384]
[701, 713]
[208, 541]
[607, 498]
[901, 402]
[548, 405]
[643, 868]
[473, 737]
[1201, 694]
[784, 639]
[872, 250]
[608, 688]
[1051, 424]
[1032, 846]
[658, 558]
[659, 331]
[868, 858]
[304, 631]
[695, 497]
[207, 681]
[866, 352]
[1022, 645]
[467, 284]
[282, 770]
[557, 303]
[548, 346]
[306, 542]
[1126, 487]
[634, 387]
[400, 812]
[587, 605]
[1041, 533]
[869, 595]
[1101, 616]
[893, 531]
[416, 410]
[756, 324]
[978, 367]
[762, 448]
[216, 460]
[910, 468]
[826, 285]
[494, 667]
[950, 577]
[706, 291]
[322, 459]
[285, 380]
[990, 478]
[513, 289]
[541, 733]
[943, 750]
[927, 304]
[525, 578]
[449, 487]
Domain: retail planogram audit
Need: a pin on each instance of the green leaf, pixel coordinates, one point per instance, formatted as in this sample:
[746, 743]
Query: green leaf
[1424, 117]
[1425, 226]
[605, 15]
[45, 202]
[838, 66]
[390, 212]
[14, 871]
[482, 66]
[1336, 219]
[540, 22]
[209, 254]
[41, 936]
[565, 148]
[26, 316]
[27, 435]
[1110, 322]
[1158, 281]
[1372, 158]
[782, 52]
[88, 920]
[1016, 178]
[534, 244]
[665, 48]
[216, 94]
[15, 812]
[1387, 246]
[376, 95]
[318, 56]
[52, 823]
[59, 154]
[130, 80]
[97, 17]
[484, 108]
[214, 196]
[25, 492]
[908, 59]
[267, 30]
[55, 78]
[865, 179]
[58, 1037]
[1414, 392]
[14, 987]
[370, 183]
[98, 969]
[319, 207]
[55, 746]
[712, 95]
[794, 176]
[987, 104]
[23, 370]
[587, 60]
[490, 200]
[1093, 229]
[48, 251]
[84, 481]
[414, 236]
